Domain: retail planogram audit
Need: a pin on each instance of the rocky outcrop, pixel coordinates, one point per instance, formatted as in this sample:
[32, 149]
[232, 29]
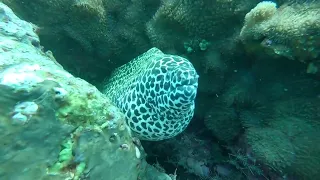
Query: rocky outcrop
[54, 125]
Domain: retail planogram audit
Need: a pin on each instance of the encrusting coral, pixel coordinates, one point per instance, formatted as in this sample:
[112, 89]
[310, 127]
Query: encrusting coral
[291, 30]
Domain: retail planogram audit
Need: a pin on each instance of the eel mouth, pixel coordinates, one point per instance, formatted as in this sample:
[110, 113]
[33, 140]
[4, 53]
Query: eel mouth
[187, 92]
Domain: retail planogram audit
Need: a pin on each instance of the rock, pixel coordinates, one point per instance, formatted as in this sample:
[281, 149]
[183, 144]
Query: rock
[52, 124]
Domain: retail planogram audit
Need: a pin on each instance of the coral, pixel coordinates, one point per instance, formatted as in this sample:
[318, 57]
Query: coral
[212, 67]
[246, 164]
[90, 8]
[294, 124]
[223, 122]
[193, 21]
[271, 147]
[237, 108]
[251, 110]
[253, 118]
[53, 125]
[240, 90]
[303, 136]
[193, 154]
[307, 109]
[272, 29]
[256, 18]
[92, 34]
[298, 119]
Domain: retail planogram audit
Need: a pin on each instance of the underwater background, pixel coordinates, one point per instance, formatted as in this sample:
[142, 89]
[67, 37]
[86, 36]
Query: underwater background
[257, 108]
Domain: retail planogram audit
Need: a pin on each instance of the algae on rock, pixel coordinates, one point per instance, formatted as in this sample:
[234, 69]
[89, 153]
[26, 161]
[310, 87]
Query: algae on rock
[53, 125]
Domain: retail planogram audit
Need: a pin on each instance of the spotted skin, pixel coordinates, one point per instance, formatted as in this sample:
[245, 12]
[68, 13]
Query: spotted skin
[156, 92]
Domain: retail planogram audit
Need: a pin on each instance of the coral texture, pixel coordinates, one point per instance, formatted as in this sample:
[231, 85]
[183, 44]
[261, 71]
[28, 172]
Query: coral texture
[291, 30]
[53, 125]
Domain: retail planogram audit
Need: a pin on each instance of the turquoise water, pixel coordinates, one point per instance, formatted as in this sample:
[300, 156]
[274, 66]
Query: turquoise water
[256, 113]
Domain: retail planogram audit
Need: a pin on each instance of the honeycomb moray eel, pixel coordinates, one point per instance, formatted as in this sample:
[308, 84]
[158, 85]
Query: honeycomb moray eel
[156, 92]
